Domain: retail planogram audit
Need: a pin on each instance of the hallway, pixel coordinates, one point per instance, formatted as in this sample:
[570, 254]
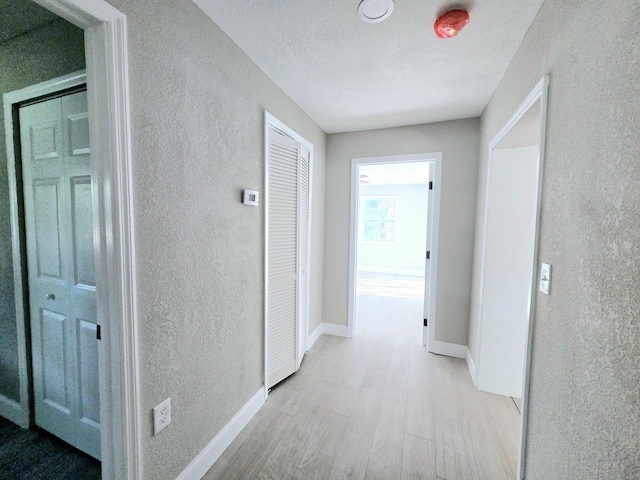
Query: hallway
[377, 407]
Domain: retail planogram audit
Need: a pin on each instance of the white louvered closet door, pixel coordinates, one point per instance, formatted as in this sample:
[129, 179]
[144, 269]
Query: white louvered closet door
[303, 247]
[283, 257]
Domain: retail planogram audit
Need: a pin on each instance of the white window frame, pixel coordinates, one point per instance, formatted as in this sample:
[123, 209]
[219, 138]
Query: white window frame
[362, 220]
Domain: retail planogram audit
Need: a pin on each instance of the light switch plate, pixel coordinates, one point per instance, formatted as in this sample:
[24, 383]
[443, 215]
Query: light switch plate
[545, 278]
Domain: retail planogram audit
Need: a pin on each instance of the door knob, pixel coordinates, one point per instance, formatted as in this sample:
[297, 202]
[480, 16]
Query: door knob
[51, 296]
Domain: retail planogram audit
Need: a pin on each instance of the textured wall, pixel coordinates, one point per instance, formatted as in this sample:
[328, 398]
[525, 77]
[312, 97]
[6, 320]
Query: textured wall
[458, 141]
[584, 417]
[43, 54]
[197, 121]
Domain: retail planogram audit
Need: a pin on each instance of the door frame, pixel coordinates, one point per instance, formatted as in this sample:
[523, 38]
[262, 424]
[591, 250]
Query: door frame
[22, 412]
[105, 31]
[539, 93]
[270, 121]
[433, 228]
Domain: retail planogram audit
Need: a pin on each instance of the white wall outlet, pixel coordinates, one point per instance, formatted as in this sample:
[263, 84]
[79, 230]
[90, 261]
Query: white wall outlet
[161, 416]
[545, 278]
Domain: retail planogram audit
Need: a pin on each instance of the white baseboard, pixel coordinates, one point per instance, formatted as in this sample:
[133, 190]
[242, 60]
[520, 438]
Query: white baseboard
[393, 271]
[315, 336]
[471, 365]
[207, 457]
[14, 412]
[449, 349]
[336, 330]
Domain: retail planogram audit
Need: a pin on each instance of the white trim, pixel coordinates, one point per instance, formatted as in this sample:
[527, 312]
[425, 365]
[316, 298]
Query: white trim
[449, 349]
[335, 330]
[302, 337]
[471, 365]
[433, 222]
[108, 88]
[310, 237]
[433, 235]
[313, 338]
[216, 447]
[12, 410]
[265, 215]
[275, 122]
[539, 93]
[327, 329]
[542, 91]
[392, 271]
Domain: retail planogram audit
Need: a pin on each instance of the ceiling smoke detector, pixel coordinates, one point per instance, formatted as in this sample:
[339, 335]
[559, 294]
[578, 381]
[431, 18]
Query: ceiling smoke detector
[374, 11]
[449, 24]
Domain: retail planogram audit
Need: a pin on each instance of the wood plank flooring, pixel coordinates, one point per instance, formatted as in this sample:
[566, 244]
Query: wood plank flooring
[378, 406]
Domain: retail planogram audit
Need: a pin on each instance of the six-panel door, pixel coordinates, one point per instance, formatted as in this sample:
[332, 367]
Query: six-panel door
[56, 169]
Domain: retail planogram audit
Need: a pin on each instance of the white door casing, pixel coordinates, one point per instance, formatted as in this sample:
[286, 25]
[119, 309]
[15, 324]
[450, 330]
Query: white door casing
[433, 221]
[61, 273]
[537, 97]
[287, 211]
[304, 204]
[428, 261]
[108, 87]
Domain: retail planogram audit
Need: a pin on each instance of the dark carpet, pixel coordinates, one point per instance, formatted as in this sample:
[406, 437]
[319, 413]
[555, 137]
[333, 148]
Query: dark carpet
[35, 454]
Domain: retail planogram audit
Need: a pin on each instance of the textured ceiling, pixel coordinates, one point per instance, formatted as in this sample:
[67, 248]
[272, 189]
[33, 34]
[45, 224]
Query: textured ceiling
[395, 173]
[349, 75]
[21, 16]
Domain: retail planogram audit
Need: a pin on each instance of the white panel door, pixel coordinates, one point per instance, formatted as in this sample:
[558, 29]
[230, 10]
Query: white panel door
[287, 254]
[429, 253]
[56, 169]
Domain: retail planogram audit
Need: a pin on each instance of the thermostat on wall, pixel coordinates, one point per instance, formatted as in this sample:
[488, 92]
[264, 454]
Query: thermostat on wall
[250, 197]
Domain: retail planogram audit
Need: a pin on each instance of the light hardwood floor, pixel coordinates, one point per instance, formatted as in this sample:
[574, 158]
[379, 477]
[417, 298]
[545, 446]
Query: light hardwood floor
[378, 406]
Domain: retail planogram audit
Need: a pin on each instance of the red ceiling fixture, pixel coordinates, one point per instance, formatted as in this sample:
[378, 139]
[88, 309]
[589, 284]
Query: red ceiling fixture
[449, 24]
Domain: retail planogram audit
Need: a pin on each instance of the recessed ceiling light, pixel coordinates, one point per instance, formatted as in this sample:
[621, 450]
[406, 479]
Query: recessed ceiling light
[374, 11]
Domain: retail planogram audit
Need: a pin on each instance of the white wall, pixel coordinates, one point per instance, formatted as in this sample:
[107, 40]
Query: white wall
[406, 255]
[509, 252]
[458, 141]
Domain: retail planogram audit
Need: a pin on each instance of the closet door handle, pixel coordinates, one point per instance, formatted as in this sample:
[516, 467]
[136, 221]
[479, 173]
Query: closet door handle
[51, 296]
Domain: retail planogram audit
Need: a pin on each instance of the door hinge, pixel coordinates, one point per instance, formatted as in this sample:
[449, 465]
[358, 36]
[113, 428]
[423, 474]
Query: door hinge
[98, 333]
[430, 185]
[428, 254]
[425, 322]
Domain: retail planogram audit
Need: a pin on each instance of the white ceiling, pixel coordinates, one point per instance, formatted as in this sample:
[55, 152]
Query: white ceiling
[350, 75]
[395, 173]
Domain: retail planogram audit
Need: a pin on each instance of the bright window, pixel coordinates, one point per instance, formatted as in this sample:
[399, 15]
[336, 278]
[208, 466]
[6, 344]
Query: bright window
[378, 224]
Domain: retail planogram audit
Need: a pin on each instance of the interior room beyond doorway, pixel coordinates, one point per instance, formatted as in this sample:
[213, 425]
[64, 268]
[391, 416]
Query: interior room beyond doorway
[391, 246]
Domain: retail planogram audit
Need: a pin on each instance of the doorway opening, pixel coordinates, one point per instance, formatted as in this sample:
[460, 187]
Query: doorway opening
[104, 31]
[393, 245]
[510, 255]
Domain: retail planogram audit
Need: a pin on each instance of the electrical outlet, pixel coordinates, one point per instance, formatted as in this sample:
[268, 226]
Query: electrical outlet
[161, 416]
